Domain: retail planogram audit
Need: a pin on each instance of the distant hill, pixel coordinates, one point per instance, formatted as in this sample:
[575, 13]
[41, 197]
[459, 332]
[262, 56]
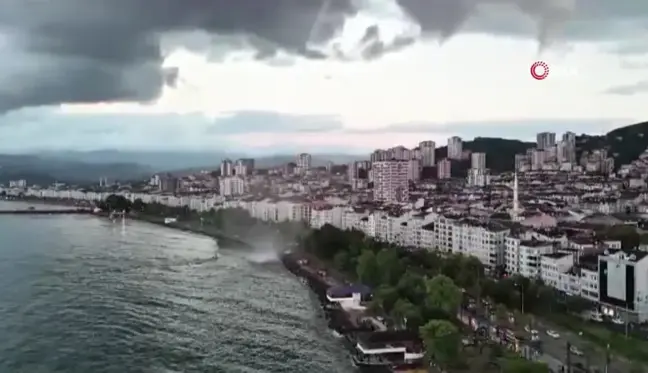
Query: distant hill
[625, 144]
[500, 153]
[163, 161]
[37, 170]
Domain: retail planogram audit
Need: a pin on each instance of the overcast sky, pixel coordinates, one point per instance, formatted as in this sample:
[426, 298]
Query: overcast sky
[302, 75]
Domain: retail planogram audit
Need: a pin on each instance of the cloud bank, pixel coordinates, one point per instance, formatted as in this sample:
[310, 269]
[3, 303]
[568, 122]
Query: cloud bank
[80, 51]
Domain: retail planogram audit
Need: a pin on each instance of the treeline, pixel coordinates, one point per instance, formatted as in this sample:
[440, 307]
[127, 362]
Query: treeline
[422, 290]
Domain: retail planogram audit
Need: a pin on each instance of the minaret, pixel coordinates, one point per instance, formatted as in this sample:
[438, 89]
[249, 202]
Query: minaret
[516, 202]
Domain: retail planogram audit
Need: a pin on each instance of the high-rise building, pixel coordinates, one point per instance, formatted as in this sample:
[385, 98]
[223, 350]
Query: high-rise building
[304, 162]
[414, 169]
[478, 175]
[538, 158]
[545, 140]
[227, 168]
[358, 170]
[169, 184]
[568, 153]
[391, 181]
[379, 155]
[478, 161]
[444, 169]
[427, 148]
[455, 148]
[243, 167]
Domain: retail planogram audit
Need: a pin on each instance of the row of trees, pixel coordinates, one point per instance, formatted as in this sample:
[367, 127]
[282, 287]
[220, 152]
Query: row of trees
[422, 290]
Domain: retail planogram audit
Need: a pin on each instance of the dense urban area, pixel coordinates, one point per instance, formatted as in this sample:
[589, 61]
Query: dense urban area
[553, 251]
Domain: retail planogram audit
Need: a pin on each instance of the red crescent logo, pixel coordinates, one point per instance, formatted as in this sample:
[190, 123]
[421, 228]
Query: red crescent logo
[539, 70]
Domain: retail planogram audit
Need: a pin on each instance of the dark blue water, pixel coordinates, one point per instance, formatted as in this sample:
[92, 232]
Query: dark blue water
[82, 294]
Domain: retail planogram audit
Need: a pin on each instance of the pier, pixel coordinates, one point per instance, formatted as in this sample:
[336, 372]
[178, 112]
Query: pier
[46, 212]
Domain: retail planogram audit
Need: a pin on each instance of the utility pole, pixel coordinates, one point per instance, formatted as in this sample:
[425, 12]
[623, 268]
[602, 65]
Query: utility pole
[568, 360]
[607, 359]
[521, 286]
[626, 319]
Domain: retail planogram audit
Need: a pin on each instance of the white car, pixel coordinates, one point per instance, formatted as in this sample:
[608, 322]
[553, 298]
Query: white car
[553, 334]
[575, 351]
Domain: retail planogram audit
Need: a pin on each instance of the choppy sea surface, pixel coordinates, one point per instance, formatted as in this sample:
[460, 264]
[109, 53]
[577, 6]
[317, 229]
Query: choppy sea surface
[83, 294]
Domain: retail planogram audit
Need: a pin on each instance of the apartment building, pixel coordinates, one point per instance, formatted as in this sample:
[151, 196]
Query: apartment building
[322, 214]
[524, 256]
[391, 181]
[444, 169]
[484, 240]
[232, 186]
[455, 148]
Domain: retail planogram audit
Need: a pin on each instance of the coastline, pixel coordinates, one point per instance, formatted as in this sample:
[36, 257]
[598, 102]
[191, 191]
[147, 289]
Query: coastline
[224, 241]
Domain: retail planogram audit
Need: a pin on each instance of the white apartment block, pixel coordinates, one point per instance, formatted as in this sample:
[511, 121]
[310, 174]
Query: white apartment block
[484, 240]
[455, 148]
[444, 169]
[304, 162]
[427, 149]
[227, 168]
[545, 140]
[414, 170]
[322, 214]
[478, 161]
[478, 177]
[232, 186]
[391, 181]
[524, 256]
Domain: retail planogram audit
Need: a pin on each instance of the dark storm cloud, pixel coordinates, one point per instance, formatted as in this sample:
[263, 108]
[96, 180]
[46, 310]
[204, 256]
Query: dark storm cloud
[108, 50]
[86, 51]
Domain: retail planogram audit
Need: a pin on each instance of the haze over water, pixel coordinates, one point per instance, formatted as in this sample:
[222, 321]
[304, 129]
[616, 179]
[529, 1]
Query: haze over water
[82, 294]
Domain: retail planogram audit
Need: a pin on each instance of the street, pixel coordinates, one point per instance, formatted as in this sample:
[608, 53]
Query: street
[556, 348]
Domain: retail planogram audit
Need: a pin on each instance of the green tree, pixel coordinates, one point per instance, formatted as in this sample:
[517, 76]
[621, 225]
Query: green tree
[385, 297]
[367, 268]
[138, 205]
[406, 315]
[342, 261]
[115, 202]
[470, 273]
[443, 294]
[389, 266]
[412, 286]
[442, 341]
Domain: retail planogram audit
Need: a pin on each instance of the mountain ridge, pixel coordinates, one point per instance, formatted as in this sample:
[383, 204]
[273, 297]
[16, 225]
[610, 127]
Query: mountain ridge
[625, 144]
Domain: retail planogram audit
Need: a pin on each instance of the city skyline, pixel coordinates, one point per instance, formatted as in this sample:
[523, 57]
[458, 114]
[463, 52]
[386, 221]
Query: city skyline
[207, 91]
